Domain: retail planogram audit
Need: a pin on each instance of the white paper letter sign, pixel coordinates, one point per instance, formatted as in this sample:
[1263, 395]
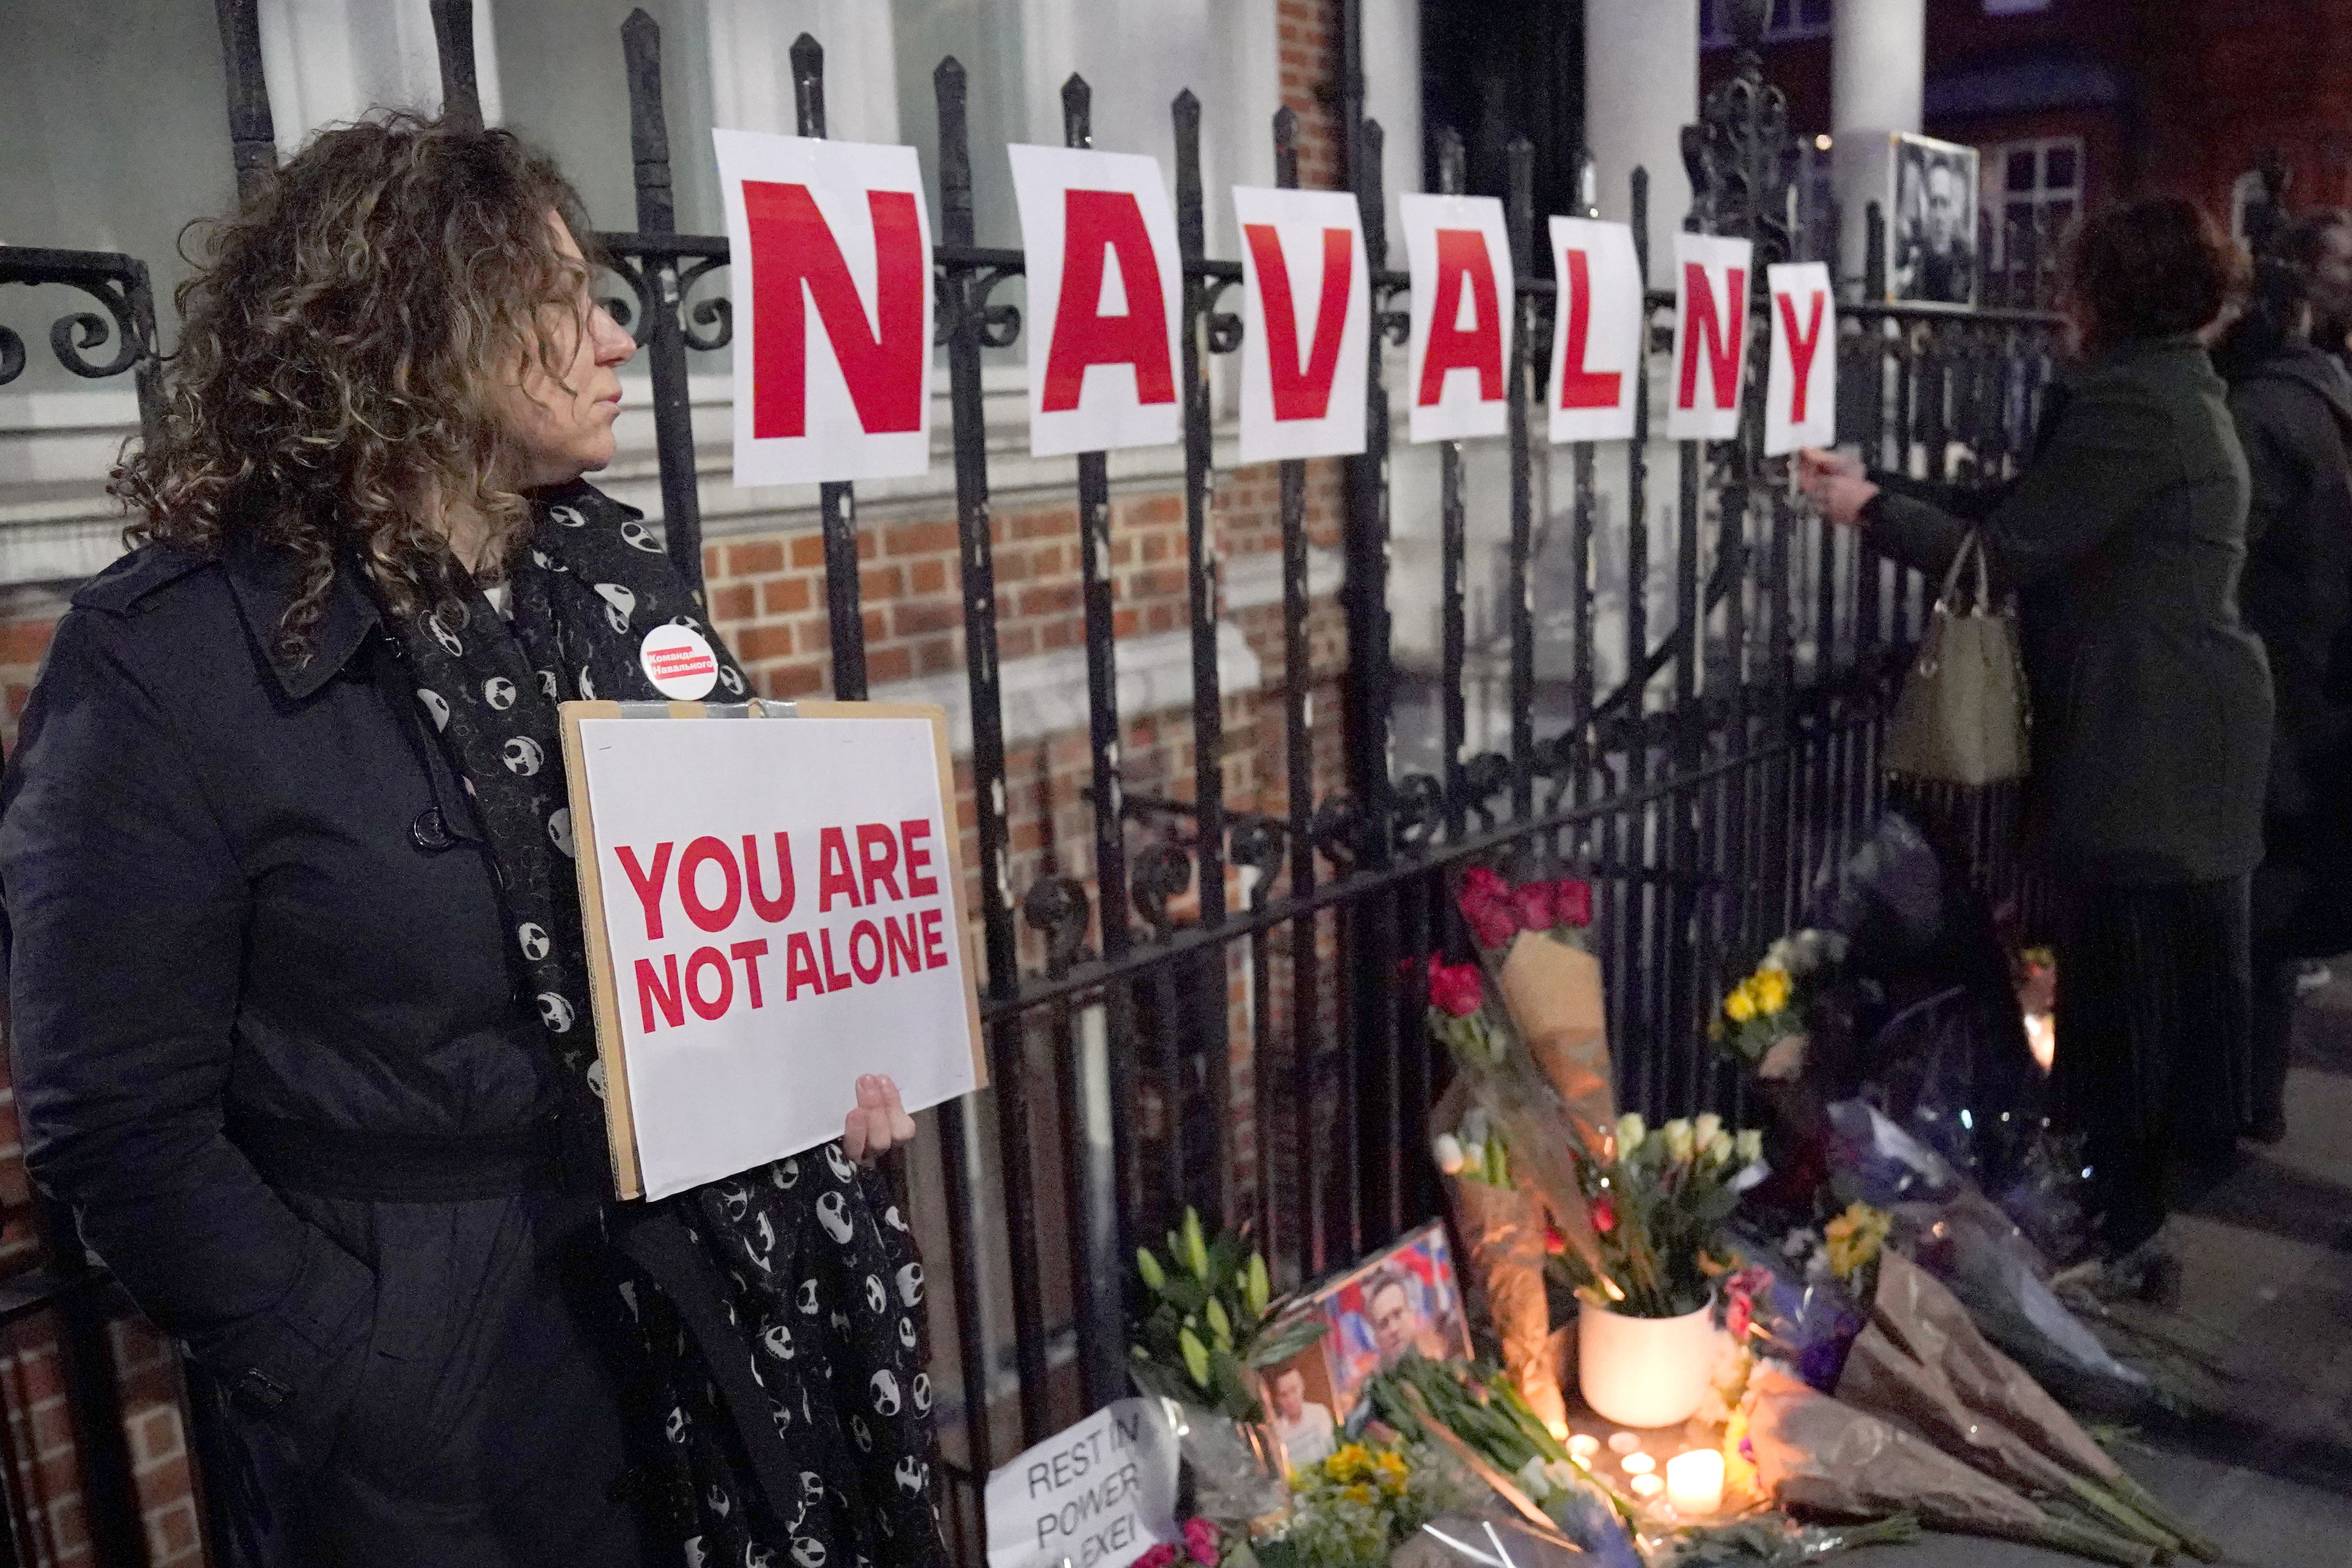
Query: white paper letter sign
[1102, 1492]
[1596, 348]
[1710, 337]
[1306, 324]
[1105, 281]
[1801, 395]
[774, 908]
[832, 307]
[1461, 258]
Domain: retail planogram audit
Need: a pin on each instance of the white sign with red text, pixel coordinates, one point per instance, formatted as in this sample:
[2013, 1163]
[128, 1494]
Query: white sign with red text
[1460, 254]
[772, 909]
[1106, 281]
[832, 307]
[1800, 391]
[1306, 323]
[1596, 349]
[1710, 337]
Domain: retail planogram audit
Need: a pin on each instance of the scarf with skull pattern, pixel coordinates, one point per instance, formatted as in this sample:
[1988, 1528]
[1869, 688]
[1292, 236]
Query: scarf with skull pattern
[778, 1310]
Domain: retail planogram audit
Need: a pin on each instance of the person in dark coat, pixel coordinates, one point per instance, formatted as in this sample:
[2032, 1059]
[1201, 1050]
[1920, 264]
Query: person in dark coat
[294, 959]
[2292, 403]
[2124, 536]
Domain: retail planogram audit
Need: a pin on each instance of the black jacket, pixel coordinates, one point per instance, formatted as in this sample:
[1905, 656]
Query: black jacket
[2125, 536]
[242, 893]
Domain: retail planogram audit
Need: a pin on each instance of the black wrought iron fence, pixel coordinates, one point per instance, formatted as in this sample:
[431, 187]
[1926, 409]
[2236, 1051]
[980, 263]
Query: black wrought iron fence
[1733, 756]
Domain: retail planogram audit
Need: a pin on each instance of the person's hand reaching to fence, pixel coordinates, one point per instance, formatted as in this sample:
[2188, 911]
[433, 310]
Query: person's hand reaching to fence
[1836, 483]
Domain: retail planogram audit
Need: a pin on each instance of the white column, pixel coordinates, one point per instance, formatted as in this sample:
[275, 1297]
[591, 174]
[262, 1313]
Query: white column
[1392, 97]
[326, 61]
[1641, 88]
[752, 66]
[1877, 71]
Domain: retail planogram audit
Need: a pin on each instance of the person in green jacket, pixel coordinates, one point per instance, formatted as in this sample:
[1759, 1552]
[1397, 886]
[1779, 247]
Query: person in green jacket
[2123, 537]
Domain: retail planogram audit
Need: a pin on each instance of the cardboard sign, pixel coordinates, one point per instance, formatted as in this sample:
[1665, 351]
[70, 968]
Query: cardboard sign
[1596, 350]
[832, 307]
[1710, 337]
[775, 906]
[1800, 391]
[1306, 324]
[1461, 258]
[1097, 1495]
[1105, 280]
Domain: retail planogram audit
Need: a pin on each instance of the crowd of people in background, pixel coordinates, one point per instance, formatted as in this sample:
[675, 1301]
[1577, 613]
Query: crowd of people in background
[2179, 543]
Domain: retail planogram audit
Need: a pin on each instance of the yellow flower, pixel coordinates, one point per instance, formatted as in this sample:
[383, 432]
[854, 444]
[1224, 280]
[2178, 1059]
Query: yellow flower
[1854, 1237]
[1360, 1493]
[1352, 1463]
[1740, 1005]
[1771, 991]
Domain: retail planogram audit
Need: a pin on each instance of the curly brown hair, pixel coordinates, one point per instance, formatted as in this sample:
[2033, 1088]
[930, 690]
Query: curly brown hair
[342, 342]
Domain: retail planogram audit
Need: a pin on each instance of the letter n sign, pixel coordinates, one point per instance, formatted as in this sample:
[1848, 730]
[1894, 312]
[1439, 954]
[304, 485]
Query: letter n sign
[832, 267]
[1800, 391]
[1710, 337]
[1105, 283]
[1461, 257]
[1306, 324]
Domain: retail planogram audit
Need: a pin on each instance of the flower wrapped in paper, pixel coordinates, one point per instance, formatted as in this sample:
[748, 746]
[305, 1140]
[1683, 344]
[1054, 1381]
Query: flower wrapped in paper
[1532, 937]
[1501, 1223]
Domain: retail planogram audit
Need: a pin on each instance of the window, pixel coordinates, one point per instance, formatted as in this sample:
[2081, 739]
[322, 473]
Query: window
[1787, 19]
[2038, 181]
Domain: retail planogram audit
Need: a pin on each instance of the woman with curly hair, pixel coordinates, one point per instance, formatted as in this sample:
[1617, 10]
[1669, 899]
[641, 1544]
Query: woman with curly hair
[2124, 537]
[296, 978]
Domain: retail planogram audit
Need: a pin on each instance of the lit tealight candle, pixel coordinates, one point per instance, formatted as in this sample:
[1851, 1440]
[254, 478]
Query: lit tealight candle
[1584, 1445]
[1639, 1464]
[1647, 1486]
[1694, 1481]
[1622, 1442]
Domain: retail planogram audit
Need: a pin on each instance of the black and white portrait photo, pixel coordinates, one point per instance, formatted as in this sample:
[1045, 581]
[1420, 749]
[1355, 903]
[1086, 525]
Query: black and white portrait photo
[1933, 240]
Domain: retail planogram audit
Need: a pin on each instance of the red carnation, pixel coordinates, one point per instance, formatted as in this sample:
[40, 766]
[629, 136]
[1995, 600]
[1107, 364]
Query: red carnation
[1532, 904]
[1481, 885]
[1554, 1243]
[1201, 1542]
[1571, 901]
[1491, 924]
[1605, 1215]
[1160, 1556]
[1456, 989]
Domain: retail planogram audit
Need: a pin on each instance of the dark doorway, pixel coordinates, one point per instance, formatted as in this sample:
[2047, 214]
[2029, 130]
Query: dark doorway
[1495, 69]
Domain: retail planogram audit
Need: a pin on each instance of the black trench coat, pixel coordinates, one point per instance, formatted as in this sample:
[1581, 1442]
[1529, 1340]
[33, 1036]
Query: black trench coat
[241, 895]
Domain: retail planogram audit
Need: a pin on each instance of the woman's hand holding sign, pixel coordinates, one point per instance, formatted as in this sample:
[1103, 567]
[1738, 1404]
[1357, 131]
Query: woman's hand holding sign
[878, 1122]
[1836, 482]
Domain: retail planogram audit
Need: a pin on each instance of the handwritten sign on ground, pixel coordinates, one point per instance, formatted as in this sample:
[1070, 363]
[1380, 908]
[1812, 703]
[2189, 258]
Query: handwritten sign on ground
[775, 906]
[1097, 1495]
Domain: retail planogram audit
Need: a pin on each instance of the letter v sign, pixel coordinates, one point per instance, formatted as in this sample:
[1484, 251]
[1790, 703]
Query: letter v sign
[1302, 392]
[834, 231]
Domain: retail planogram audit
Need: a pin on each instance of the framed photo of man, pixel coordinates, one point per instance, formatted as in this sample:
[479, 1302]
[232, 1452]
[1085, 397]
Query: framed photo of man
[1403, 1298]
[1931, 236]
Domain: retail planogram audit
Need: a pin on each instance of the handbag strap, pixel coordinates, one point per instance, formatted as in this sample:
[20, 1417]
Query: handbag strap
[1971, 543]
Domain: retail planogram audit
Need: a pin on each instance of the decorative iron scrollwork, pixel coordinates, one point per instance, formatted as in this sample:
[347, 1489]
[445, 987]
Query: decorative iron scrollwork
[12, 356]
[637, 312]
[1056, 906]
[1738, 154]
[1224, 327]
[1420, 809]
[1337, 829]
[1397, 323]
[1162, 869]
[1484, 777]
[1000, 325]
[1256, 842]
[717, 313]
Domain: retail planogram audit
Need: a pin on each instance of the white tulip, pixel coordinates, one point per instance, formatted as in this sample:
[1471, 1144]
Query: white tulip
[1448, 1151]
[1704, 1129]
[1677, 1134]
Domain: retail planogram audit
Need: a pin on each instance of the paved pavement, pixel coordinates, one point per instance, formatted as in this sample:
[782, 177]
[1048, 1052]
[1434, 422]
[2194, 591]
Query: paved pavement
[2261, 1341]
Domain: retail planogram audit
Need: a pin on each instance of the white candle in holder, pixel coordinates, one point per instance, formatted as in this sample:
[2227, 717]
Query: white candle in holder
[1694, 1481]
[1584, 1445]
[1639, 1464]
[1647, 1486]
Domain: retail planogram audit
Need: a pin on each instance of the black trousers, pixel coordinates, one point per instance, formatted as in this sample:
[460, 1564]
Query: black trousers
[2154, 1016]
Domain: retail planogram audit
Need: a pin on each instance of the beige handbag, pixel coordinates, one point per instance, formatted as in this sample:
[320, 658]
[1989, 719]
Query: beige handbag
[1962, 716]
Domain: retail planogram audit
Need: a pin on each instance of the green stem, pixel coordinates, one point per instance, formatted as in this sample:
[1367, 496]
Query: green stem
[2122, 1516]
[2201, 1546]
[2084, 1542]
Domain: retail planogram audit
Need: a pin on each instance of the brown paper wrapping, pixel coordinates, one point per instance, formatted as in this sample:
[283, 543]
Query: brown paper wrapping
[1502, 1228]
[1814, 1452]
[1553, 993]
[1928, 1322]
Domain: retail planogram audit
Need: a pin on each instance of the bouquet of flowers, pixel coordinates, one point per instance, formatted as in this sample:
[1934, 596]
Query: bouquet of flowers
[1764, 1017]
[1355, 1509]
[1475, 1151]
[1533, 935]
[1658, 1203]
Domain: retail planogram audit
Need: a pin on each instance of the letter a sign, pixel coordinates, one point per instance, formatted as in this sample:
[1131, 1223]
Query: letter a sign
[1596, 353]
[1461, 257]
[832, 307]
[1306, 326]
[1801, 393]
[1710, 337]
[1105, 281]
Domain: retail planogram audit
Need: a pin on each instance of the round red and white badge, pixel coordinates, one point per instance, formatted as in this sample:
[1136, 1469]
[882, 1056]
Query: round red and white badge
[678, 662]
